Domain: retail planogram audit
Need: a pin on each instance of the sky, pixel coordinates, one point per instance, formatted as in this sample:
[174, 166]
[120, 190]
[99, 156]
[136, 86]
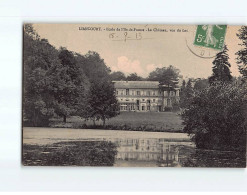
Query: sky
[140, 51]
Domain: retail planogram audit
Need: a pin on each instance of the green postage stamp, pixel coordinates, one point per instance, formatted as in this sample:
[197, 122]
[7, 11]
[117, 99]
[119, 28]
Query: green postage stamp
[211, 36]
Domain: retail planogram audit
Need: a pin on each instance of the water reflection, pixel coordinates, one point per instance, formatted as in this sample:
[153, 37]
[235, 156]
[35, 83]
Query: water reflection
[129, 153]
[151, 152]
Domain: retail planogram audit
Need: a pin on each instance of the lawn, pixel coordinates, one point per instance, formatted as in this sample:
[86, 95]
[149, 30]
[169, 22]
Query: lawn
[139, 121]
[158, 120]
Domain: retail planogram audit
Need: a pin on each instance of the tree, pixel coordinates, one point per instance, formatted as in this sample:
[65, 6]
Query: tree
[38, 59]
[117, 76]
[182, 89]
[183, 85]
[165, 75]
[186, 95]
[242, 53]
[216, 117]
[101, 102]
[68, 84]
[201, 84]
[94, 67]
[134, 77]
[221, 71]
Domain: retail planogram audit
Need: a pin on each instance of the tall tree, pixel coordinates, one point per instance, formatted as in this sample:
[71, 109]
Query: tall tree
[166, 75]
[242, 53]
[134, 77]
[69, 84]
[221, 71]
[183, 86]
[38, 59]
[95, 67]
[186, 95]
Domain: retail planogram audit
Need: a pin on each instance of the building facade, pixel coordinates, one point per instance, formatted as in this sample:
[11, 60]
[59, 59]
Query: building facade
[144, 96]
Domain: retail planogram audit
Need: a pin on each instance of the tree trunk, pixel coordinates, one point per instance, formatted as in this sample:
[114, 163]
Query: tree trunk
[94, 122]
[103, 122]
[64, 118]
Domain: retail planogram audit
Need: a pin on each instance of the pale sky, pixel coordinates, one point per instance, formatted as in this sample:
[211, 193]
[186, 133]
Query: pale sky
[155, 49]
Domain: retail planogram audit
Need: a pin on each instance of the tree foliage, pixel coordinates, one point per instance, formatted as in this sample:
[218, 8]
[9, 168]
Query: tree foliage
[186, 95]
[165, 75]
[216, 117]
[242, 53]
[101, 101]
[95, 67]
[117, 76]
[201, 84]
[60, 82]
[69, 83]
[221, 71]
[134, 77]
[38, 59]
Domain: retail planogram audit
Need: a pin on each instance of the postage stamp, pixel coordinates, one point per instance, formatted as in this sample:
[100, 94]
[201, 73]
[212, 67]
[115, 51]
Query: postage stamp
[210, 36]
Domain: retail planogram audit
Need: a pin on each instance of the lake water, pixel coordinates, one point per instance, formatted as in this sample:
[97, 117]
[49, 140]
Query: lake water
[48, 146]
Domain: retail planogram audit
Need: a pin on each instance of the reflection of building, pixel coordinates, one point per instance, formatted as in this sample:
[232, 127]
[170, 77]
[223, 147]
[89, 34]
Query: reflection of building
[161, 152]
[145, 95]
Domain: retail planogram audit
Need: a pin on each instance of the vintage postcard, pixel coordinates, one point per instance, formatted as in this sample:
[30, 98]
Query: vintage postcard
[134, 95]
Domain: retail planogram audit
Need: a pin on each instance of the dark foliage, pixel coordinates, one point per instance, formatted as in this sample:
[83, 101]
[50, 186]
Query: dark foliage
[201, 84]
[216, 117]
[101, 102]
[186, 95]
[166, 75]
[77, 153]
[59, 81]
[117, 76]
[221, 71]
[134, 77]
[242, 53]
[214, 158]
[38, 59]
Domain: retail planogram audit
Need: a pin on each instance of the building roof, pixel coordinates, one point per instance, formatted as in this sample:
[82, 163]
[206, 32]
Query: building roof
[136, 84]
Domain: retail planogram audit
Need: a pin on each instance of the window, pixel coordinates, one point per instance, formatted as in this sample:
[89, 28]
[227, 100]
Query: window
[127, 100]
[121, 92]
[117, 92]
[153, 92]
[127, 91]
[148, 101]
[138, 93]
[153, 100]
[148, 107]
[148, 93]
[143, 107]
[143, 100]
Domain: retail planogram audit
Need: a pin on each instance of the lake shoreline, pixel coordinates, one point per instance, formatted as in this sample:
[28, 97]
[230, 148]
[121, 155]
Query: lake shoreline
[107, 129]
[43, 135]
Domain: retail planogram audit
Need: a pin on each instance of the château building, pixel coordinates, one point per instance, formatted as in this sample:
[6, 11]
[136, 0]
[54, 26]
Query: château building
[145, 96]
